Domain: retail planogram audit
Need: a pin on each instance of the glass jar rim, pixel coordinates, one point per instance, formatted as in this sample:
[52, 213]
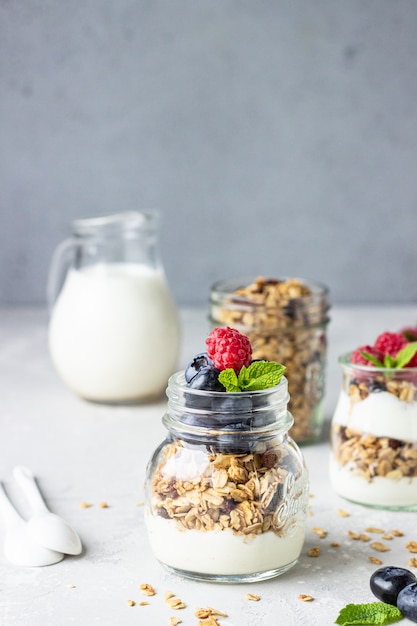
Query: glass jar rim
[346, 363]
[178, 378]
[229, 285]
[145, 221]
[275, 400]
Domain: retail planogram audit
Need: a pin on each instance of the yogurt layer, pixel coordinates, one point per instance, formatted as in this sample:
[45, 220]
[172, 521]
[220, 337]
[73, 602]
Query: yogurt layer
[221, 552]
[381, 414]
[380, 491]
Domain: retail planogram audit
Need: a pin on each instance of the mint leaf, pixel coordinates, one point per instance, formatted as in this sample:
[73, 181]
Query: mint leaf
[389, 361]
[378, 613]
[259, 375]
[370, 357]
[406, 354]
[228, 379]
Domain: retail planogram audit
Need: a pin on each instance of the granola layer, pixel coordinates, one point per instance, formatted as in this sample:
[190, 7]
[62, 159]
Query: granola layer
[247, 493]
[371, 456]
[368, 453]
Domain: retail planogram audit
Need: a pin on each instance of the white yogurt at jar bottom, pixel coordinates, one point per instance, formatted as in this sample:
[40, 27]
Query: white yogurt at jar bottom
[114, 332]
[221, 552]
[381, 414]
[380, 491]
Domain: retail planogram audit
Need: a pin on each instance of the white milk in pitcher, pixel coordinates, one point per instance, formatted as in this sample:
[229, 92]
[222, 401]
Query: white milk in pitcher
[114, 332]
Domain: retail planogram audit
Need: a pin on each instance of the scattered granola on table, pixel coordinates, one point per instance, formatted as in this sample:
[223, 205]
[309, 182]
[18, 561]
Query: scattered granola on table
[147, 589]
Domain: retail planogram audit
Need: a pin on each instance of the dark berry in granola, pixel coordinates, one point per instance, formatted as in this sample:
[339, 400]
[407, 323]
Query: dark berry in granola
[377, 385]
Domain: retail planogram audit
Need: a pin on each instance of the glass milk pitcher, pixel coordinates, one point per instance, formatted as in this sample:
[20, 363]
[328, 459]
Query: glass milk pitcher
[114, 333]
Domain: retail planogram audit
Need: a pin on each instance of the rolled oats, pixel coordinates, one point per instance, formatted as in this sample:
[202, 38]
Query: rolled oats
[379, 547]
[208, 616]
[353, 535]
[412, 562]
[235, 491]
[147, 589]
[253, 597]
[412, 546]
[175, 603]
[305, 597]
[209, 621]
[374, 456]
[320, 532]
[374, 560]
[314, 552]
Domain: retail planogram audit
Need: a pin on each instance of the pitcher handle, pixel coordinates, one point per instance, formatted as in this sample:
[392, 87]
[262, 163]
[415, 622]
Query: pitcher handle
[60, 264]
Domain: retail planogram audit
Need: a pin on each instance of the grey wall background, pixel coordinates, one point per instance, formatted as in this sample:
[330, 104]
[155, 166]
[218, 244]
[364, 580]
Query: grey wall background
[275, 137]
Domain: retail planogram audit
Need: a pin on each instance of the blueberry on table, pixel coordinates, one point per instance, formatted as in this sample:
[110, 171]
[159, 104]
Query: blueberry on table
[387, 582]
[407, 602]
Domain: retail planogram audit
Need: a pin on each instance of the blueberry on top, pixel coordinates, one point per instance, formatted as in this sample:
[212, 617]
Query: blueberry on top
[197, 363]
[207, 378]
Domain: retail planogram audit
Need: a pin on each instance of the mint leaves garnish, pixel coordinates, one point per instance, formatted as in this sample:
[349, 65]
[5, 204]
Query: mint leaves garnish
[403, 357]
[373, 613]
[259, 375]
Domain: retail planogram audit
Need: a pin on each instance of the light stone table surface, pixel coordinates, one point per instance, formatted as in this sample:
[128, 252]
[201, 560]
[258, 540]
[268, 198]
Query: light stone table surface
[83, 452]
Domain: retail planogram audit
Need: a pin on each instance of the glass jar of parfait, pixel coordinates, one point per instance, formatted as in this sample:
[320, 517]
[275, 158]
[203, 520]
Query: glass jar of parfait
[286, 321]
[227, 490]
[374, 431]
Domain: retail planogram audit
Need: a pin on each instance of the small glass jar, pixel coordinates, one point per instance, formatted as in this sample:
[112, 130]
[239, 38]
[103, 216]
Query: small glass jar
[374, 437]
[227, 491]
[285, 320]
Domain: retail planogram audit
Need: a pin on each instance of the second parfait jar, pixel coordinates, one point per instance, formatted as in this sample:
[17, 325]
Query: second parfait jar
[374, 436]
[227, 491]
[286, 321]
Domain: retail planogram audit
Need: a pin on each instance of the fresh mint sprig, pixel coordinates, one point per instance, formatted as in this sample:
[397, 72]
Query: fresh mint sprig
[403, 357]
[378, 613]
[258, 375]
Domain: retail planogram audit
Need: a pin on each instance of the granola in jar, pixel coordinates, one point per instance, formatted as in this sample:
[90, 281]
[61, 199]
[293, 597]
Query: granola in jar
[285, 320]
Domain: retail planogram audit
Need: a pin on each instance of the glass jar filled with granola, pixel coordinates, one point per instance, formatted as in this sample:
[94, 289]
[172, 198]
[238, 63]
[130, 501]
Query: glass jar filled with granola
[285, 320]
[374, 434]
[227, 490]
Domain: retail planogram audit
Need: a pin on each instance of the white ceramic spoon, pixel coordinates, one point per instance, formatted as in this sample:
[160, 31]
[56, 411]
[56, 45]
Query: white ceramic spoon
[19, 547]
[48, 529]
